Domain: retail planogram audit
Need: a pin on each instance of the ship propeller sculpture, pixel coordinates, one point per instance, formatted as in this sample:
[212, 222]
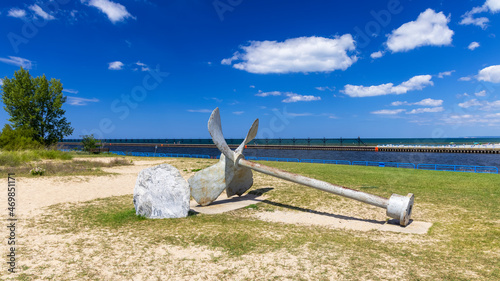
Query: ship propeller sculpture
[234, 174]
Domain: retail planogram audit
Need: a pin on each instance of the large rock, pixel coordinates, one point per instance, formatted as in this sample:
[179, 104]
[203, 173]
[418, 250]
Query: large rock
[161, 192]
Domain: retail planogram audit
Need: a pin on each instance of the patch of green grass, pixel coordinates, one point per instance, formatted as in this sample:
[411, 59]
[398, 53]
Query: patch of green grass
[18, 158]
[252, 206]
[195, 170]
[118, 218]
[64, 168]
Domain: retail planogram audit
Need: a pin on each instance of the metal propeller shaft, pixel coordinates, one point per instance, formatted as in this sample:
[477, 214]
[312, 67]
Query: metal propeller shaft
[398, 207]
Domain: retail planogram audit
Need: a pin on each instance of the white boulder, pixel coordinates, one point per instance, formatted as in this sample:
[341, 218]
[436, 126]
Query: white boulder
[161, 192]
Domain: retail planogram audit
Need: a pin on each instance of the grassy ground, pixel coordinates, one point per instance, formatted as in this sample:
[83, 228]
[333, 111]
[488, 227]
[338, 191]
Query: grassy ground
[54, 163]
[463, 243]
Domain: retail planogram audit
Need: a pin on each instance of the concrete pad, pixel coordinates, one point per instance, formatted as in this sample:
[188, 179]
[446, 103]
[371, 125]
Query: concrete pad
[227, 204]
[342, 222]
[223, 205]
[414, 227]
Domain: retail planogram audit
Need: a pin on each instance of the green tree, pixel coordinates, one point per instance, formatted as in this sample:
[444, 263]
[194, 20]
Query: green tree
[17, 139]
[35, 104]
[89, 143]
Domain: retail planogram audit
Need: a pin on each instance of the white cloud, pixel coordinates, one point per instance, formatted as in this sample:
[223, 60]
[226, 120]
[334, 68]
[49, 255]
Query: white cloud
[480, 93]
[445, 73]
[491, 105]
[80, 101]
[484, 105]
[429, 102]
[495, 115]
[470, 103]
[490, 74]
[200, 110]
[114, 11]
[430, 29]
[266, 94]
[116, 65]
[292, 97]
[424, 102]
[474, 120]
[473, 45]
[377, 55]
[466, 78]
[143, 66]
[388, 111]
[17, 13]
[371, 91]
[298, 114]
[331, 89]
[399, 103]
[228, 61]
[40, 12]
[252, 86]
[70, 91]
[468, 17]
[238, 112]
[303, 54]
[17, 61]
[1, 82]
[426, 110]
[493, 5]
[490, 5]
[415, 83]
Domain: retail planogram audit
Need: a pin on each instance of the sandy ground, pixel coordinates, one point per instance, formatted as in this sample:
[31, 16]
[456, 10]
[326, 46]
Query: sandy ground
[108, 256]
[35, 193]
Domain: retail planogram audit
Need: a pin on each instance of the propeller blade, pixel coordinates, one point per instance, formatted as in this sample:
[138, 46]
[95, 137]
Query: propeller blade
[215, 130]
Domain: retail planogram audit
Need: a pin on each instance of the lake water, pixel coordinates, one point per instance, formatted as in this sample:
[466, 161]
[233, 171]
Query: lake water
[401, 157]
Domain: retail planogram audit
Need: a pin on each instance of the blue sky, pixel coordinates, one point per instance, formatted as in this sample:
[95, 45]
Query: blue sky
[156, 69]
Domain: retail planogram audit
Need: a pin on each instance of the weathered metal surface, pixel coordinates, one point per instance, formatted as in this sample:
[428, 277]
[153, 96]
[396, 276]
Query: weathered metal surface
[215, 130]
[250, 136]
[206, 185]
[321, 185]
[243, 177]
[237, 178]
[400, 208]
[241, 181]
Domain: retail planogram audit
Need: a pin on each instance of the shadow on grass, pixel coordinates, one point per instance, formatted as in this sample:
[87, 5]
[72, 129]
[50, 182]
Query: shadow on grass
[342, 217]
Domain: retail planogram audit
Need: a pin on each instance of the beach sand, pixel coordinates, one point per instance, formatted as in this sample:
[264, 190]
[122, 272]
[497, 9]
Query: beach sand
[109, 255]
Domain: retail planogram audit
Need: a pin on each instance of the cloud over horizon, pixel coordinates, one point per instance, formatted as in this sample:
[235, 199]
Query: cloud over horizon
[291, 97]
[115, 65]
[415, 83]
[490, 5]
[302, 54]
[430, 29]
[17, 13]
[490, 74]
[40, 12]
[17, 61]
[77, 101]
[114, 11]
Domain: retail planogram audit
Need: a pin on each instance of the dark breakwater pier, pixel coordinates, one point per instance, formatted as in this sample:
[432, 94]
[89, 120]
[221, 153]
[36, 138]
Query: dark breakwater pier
[406, 148]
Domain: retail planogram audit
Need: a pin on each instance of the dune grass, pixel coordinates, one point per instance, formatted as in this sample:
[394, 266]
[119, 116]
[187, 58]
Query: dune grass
[18, 158]
[463, 243]
[54, 162]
